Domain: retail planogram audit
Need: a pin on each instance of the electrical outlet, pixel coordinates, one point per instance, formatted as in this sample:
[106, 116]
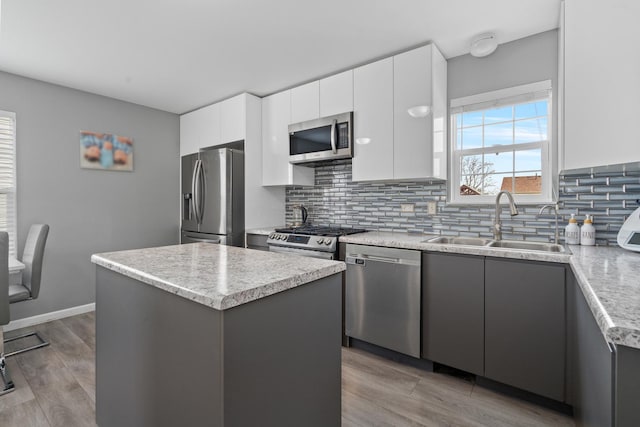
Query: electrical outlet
[407, 207]
[431, 208]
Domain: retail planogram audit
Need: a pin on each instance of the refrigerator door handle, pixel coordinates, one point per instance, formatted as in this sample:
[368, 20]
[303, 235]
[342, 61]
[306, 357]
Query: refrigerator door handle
[202, 191]
[195, 191]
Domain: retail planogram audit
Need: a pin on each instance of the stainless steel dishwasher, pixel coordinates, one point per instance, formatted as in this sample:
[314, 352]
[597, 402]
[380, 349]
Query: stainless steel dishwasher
[382, 297]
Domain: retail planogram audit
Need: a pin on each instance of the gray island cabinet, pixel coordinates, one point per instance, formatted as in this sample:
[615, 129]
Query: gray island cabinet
[204, 334]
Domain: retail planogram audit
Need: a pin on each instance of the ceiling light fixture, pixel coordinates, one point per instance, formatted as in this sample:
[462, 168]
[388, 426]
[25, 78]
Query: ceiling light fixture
[483, 44]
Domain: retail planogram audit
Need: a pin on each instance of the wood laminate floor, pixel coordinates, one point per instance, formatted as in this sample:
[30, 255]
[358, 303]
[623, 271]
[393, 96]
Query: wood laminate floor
[56, 387]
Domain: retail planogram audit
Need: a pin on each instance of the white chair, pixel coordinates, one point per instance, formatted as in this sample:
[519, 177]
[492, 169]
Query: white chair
[8, 385]
[32, 257]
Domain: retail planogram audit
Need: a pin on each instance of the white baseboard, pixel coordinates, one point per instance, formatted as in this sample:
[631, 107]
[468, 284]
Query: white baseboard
[48, 317]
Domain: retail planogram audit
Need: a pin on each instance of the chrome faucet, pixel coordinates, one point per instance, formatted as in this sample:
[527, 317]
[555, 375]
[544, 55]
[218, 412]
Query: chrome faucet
[497, 224]
[555, 211]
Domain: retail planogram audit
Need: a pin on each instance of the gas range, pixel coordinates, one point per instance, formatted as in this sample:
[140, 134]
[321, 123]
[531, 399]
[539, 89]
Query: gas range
[309, 240]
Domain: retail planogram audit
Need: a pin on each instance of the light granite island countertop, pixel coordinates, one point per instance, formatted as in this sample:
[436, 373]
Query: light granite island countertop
[205, 334]
[217, 276]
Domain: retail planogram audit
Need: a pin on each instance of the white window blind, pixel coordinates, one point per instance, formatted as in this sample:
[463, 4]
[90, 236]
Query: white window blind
[8, 177]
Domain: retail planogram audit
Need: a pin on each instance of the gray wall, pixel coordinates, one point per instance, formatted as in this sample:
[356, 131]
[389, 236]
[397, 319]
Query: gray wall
[88, 211]
[522, 61]
[528, 60]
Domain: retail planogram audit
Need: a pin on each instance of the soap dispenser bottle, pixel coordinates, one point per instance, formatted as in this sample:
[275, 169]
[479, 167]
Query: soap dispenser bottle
[588, 232]
[572, 231]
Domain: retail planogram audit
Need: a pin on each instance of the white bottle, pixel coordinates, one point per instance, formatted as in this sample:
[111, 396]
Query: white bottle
[572, 231]
[588, 232]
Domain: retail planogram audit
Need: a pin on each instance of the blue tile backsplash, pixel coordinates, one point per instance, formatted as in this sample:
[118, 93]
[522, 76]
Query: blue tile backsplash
[335, 200]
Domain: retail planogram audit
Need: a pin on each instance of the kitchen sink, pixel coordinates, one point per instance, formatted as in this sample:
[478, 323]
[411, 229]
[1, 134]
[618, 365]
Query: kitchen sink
[506, 244]
[450, 240]
[529, 246]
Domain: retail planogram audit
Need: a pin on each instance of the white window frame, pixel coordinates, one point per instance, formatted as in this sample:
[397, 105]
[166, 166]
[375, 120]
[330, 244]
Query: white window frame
[495, 99]
[11, 191]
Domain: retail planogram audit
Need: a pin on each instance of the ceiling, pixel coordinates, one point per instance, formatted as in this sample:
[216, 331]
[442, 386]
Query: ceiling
[178, 55]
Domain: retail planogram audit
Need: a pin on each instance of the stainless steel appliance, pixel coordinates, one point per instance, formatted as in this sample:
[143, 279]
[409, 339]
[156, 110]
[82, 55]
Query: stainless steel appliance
[382, 297]
[321, 139]
[213, 197]
[300, 215]
[629, 234]
[309, 240]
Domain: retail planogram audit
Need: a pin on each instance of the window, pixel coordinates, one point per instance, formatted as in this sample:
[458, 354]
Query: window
[501, 141]
[8, 177]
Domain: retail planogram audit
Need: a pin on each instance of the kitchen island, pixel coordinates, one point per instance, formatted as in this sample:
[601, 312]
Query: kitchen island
[204, 334]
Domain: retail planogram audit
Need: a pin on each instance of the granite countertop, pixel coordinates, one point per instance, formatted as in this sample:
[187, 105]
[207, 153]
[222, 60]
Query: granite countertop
[417, 241]
[609, 277]
[218, 276]
[610, 281]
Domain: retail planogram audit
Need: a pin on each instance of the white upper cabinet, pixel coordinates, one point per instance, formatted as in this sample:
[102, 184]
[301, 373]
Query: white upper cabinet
[411, 89]
[305, 102]
[189, 141]
[213, 125]
[336, 94]
[322, 98]
[601, 83]
[209, 126]
[419, 82]
[232, 119]
[373, 121]
[387, 97]
[276, 169]
[199, 129]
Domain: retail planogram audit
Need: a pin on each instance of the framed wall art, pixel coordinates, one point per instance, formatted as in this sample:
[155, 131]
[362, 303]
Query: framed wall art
[106, 151]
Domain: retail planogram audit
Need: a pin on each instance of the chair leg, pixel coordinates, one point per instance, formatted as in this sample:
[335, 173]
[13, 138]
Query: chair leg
[8, 385]
[43, 343]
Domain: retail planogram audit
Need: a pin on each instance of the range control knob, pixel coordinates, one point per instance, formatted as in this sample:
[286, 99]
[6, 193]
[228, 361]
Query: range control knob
[283, 237]
[327, 242]
[271, 236]
[319, 241]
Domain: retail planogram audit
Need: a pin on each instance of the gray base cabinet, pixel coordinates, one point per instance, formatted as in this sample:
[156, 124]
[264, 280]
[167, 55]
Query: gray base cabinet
[525, 325]
[627, 386]
[453, 310]
[591, 363]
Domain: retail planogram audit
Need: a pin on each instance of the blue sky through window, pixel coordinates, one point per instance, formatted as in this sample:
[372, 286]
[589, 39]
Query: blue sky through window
[500, 127]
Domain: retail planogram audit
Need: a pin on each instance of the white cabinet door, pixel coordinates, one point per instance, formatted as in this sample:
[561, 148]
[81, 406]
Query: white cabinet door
[305, 103]
[188, 134]
[276, 169]
[336, 94]
[209, 126]
[232, 119]
[601, 70]
[412, 135]
[200, 129]
[373, 121]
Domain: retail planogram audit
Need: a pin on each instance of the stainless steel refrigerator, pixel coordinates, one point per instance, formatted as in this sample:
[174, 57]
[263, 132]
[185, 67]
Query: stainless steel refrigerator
[213, 197]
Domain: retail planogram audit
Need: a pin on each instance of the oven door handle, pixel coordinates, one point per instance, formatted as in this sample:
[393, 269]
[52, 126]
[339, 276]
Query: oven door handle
[333, 136]
[301, 252]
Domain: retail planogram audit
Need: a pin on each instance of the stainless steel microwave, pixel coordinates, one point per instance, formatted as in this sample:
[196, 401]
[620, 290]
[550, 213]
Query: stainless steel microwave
[326, 138]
